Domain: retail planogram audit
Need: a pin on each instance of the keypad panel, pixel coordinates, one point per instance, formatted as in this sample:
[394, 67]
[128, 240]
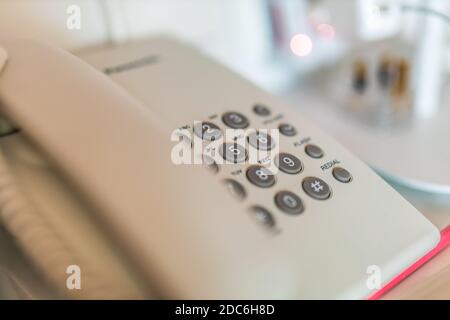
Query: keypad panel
[302, 166]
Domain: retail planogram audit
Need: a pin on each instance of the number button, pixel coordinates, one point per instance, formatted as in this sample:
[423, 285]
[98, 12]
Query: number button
[261, 141]
[233, 152]
[235, 188]
[263, 217]
[261, 110]
[288, 163]
[210, 164]
[289, 202]
[314, 151]
[207, 131]
[316, 188]
[235, 120]
[261, 176]
[287, 130]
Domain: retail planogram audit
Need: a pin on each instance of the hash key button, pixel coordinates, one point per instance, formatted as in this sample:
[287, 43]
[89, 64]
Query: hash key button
[316, 188]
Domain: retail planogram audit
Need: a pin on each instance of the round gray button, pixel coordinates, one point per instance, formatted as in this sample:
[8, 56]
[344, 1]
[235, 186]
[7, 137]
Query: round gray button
[316, 188]
[233, 152]
[289, 202]
[287, 129]
[288, 163]
[313, 151]
[261, 176]
[210, 164]
[235, 188]
[235, 120]
[207, 131]
[261, 110]
[261, 141]
[263, 216]
[342, 175]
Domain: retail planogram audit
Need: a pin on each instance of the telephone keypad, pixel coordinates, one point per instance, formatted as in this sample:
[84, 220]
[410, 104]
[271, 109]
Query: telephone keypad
[287, 200]
[260, 176]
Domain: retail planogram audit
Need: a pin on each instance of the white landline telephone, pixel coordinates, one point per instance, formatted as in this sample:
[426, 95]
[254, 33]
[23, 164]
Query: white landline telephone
[88, 181]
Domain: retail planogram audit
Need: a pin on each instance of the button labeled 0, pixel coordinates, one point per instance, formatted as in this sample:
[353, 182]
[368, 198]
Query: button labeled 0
[289, 202]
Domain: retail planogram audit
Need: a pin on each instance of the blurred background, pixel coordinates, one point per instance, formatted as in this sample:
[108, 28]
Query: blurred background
[251, 36]
[372, 73]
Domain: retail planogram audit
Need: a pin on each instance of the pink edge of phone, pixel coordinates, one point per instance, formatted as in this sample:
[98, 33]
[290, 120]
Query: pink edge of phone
[443, 243]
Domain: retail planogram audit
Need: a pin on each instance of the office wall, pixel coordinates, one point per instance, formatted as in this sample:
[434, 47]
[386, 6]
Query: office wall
[46, 20]
[206, 22]
[233, 31]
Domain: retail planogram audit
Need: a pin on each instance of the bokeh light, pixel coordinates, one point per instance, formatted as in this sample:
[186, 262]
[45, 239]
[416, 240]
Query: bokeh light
[301, 45]
[326, 31]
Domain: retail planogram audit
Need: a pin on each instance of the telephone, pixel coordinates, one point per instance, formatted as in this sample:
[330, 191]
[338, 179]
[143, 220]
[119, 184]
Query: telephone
[87, 179]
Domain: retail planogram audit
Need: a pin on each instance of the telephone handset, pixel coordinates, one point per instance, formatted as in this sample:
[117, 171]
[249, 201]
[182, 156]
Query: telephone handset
[89, 181]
